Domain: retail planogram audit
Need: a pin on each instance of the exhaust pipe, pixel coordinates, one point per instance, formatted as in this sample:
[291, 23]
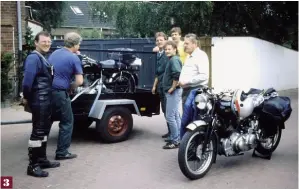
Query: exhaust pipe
[16, 122]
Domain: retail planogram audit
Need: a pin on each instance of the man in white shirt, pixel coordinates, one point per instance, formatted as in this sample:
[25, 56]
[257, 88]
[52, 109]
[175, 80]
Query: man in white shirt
[195, 72]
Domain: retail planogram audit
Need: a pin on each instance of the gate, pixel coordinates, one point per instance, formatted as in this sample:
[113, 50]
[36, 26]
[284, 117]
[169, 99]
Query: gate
[147, 70]
[206, 45]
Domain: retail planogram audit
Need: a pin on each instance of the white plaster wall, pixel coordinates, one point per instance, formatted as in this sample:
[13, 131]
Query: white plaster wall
[247, 62]
[35, 28]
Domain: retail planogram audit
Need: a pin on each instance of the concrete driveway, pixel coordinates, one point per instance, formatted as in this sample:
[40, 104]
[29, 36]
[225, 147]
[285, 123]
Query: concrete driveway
[141, 163]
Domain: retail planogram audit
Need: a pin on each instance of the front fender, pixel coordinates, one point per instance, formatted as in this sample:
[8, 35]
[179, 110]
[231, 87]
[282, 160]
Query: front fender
[198, 123]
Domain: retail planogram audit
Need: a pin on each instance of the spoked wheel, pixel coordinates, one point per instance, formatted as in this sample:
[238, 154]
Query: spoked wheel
[193, 163]
[123, 83]
[268, 144]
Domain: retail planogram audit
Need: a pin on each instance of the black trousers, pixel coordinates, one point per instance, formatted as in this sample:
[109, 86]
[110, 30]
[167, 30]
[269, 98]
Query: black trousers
[41, 126]
[41, 121]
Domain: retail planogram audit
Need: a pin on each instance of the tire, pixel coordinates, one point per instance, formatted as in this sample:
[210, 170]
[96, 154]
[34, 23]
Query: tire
[266, 151]
[130, 82]
[182, 156]
[81, 124]
[120, 127]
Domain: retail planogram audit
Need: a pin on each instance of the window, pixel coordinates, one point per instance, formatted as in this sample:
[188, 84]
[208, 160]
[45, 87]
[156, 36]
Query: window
[55, 37]
[76, 10]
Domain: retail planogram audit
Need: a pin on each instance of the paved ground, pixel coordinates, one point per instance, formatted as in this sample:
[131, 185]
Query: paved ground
[141, 163]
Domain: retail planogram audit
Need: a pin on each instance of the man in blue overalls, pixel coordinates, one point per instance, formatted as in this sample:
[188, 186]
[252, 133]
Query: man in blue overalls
[37, 86]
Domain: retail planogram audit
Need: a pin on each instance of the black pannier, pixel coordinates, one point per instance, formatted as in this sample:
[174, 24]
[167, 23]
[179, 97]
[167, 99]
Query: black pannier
[278, 107]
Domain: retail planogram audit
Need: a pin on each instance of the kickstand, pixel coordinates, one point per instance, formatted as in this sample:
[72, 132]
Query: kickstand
[256, 155]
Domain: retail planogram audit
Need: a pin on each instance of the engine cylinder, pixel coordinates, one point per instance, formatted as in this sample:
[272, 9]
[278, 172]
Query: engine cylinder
[237, 143]
[245, 142]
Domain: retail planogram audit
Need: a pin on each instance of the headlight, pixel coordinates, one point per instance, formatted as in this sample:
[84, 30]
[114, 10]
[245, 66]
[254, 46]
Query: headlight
[201, 101]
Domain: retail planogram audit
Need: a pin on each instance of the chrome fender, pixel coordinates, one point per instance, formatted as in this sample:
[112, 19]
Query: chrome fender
[195, 124]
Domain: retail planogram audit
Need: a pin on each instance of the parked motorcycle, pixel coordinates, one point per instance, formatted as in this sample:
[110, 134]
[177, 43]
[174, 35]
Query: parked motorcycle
[230, 123]
[119, 71]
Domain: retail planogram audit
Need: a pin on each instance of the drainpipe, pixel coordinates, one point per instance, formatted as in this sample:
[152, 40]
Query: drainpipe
[14, 61]
[20, 39]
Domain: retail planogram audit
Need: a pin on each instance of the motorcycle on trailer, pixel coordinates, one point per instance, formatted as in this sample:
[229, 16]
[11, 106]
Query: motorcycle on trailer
[230, 123]
[110, 95]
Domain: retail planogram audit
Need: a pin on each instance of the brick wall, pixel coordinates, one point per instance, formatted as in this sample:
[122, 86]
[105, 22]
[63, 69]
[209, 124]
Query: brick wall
[9, 23]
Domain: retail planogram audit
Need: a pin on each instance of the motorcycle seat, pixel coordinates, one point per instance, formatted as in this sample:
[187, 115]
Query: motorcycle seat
[108, 64]
[112, 64]
[269, 91]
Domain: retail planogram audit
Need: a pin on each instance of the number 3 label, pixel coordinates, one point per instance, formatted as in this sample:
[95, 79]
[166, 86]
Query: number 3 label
[6, 182]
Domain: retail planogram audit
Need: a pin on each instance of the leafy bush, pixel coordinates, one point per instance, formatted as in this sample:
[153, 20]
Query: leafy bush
[6, 85]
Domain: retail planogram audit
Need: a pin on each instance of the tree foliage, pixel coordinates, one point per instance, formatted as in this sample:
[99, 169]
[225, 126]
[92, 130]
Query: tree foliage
[6, 84]
[90, 33]
[48, 13]
[272, 21]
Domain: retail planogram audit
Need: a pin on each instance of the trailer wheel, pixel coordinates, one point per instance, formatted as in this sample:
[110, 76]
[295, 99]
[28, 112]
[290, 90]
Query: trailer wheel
[116, 124]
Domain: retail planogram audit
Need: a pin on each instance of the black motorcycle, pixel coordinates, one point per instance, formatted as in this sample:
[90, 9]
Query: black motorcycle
[119, 71]
[229, 123]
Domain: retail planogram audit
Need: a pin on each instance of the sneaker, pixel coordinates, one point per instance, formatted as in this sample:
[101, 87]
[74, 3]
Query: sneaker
[67, 156]
[171, 145]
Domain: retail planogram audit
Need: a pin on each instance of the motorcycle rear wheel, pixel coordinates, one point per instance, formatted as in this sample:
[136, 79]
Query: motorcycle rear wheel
[206, 160]
[266, 149]
[124, 83]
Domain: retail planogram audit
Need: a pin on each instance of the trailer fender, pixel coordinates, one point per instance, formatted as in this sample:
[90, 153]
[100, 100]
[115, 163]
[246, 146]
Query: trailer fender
[99, 106]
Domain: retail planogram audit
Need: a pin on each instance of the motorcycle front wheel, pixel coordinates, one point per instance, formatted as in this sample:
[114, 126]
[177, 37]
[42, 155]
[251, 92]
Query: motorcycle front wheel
[193, 163]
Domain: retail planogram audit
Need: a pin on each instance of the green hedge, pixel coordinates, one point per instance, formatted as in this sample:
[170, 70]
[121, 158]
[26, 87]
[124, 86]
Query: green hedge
[6, 65]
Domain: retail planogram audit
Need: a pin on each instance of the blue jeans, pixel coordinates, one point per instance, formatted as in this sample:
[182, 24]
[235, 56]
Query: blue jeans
[62, 108]
[172, 113]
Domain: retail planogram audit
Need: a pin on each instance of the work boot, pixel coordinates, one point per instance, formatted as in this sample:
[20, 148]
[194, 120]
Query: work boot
[34, 168]
[43, 161]
[36, 171]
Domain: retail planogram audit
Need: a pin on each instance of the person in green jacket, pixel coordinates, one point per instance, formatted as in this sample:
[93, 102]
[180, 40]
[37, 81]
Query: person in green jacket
[160, 68]
[173, 94]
